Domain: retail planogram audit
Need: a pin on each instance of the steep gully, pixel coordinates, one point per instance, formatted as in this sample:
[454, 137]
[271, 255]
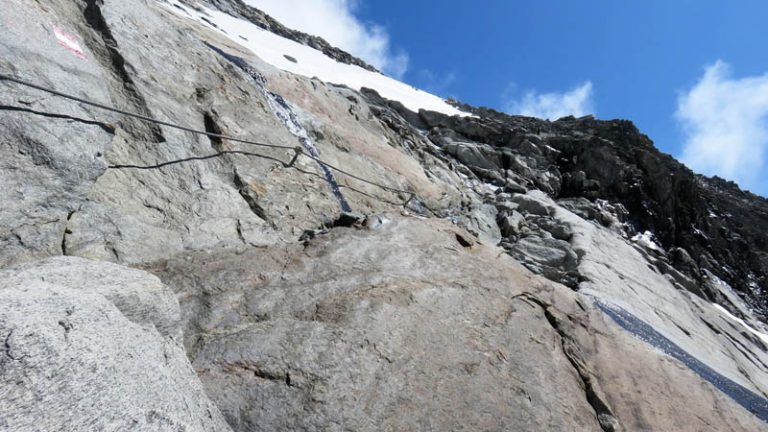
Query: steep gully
[122, 87]
[288, 117]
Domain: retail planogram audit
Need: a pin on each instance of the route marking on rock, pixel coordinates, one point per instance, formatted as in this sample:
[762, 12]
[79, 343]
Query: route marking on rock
[69, 42]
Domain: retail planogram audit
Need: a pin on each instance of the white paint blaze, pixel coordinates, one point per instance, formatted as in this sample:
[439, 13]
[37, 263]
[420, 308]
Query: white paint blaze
[69, 42]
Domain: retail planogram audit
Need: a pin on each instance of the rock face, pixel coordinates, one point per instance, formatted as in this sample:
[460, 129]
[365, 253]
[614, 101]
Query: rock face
[710, 219]
[487, 272]
[340, 333]
[95, 346]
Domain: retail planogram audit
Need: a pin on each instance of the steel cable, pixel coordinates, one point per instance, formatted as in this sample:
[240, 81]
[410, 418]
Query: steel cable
[298, 150]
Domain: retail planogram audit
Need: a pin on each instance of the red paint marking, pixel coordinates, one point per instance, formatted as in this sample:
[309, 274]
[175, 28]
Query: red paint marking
[69, 42]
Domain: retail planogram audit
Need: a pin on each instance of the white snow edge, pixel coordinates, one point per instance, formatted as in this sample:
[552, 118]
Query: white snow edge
[762, 336]
[310, 62]
[646, 240]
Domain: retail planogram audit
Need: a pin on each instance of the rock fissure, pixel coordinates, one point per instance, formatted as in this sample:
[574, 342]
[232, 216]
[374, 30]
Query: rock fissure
[105, 47]
[104, 126]
[66, 232]
[250, 194]
[8, 348]
[67, 326]
[263, 373]
[605, 416]
[379, 352]
[212, 127]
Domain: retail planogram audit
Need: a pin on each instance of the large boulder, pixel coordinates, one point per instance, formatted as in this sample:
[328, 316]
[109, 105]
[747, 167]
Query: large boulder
[95, 346]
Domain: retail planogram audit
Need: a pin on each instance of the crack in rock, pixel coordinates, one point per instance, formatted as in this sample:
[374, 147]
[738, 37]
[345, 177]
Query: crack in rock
[8, 348]
[106, 50]
[605, 417]
[247, 190]
[105, 126]
[264, 374]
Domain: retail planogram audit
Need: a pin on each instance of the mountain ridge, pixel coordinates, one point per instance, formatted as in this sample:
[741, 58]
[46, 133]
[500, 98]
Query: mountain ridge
[265, 21]
[695, 196]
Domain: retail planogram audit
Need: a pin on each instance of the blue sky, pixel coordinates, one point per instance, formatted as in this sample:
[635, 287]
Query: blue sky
[693, 75]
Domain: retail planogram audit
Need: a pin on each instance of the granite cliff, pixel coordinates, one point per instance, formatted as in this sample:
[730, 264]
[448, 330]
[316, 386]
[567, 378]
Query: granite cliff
[320, 247]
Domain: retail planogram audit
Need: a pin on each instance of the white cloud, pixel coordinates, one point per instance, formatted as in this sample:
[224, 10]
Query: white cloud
[725, 120]
[552, 106]
[435, 83]
[335, 21]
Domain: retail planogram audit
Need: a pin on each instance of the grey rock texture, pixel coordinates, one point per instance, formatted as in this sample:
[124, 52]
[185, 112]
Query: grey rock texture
[414, 311]
[85, 195]
[53, 151]
[95, 346]
[339, 333]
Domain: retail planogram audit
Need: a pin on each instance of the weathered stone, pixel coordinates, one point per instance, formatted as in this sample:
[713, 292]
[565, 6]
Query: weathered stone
[95, 346]
[140, 297]
[375, 340]
[514, 187]
[559, 230]
[398, 323]
[547, 252]
[474, 155]
[510, 224]
[531, 204]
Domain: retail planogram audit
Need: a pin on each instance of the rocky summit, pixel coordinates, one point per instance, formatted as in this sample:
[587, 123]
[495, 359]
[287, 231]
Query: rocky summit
[211, 222]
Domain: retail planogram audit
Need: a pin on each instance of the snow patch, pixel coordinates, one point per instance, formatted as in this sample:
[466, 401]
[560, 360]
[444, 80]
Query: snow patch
[310, 62]
[762, 336]
[645, 239]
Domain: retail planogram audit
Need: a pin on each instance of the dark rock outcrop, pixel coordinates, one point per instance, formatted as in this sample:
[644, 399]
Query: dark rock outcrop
[705, 223]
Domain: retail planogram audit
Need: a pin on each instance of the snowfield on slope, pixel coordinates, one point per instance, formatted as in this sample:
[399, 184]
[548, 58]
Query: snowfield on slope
[724, 311]
[300, 59]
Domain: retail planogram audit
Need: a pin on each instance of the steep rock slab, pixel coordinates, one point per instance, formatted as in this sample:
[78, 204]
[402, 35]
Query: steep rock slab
[94, 346]
[618, 272]
[376, 329]
[53, 150]
[109, 187]
[411, 324]
[645, 389]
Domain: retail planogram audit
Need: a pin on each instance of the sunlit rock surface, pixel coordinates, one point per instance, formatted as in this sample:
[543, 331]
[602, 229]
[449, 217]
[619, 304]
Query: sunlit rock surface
[494, 272]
